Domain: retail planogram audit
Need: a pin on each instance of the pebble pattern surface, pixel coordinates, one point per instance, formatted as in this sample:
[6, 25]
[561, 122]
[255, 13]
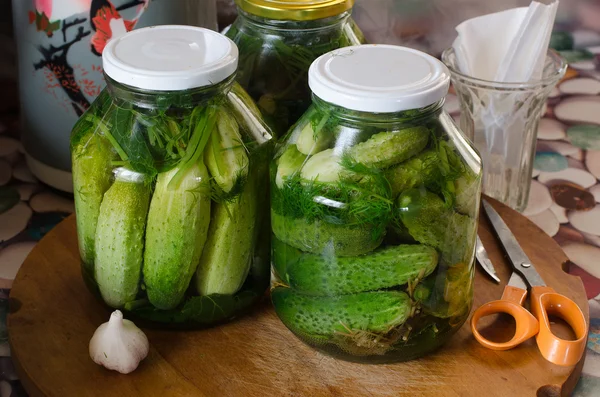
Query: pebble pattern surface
[28, 210]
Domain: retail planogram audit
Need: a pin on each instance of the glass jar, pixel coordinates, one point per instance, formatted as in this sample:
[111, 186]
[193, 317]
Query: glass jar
[278, 40]
[170, 164]
[374, 209]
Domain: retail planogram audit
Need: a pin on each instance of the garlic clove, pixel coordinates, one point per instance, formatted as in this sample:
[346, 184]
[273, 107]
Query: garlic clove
[119, 344]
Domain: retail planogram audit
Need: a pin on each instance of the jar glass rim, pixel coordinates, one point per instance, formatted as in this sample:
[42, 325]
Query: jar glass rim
[553, 58]
[147, 98]
[379, 117]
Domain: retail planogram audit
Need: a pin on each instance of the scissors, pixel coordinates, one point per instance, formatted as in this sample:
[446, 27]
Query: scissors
[484, 260]
[544, 301]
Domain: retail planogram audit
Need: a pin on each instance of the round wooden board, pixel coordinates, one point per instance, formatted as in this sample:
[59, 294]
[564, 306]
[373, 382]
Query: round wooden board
[53, 317]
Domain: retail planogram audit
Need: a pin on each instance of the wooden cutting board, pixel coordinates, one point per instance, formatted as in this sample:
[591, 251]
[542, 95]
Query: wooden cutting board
[53, 317]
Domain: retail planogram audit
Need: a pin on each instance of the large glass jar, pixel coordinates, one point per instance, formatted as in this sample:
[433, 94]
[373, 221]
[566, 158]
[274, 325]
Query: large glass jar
[374, 209]
[278, 40]
[170, 164]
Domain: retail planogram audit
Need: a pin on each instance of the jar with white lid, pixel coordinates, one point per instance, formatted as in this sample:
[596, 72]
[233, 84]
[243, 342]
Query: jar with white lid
[374, 209]
[278, 40]
[170, 167]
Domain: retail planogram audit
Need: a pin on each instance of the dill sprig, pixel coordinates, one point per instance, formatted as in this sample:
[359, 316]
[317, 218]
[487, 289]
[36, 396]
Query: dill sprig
[363, 198]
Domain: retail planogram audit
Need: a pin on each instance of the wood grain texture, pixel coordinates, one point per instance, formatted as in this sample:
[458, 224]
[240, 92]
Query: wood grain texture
[53, 317]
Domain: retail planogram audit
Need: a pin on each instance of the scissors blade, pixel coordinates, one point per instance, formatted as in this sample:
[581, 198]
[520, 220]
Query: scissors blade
[520, 261]
[484, 261]
[517, 281]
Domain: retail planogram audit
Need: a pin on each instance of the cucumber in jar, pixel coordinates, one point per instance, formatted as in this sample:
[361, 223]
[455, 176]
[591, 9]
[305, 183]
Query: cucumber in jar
[314, 137]
[430, 221]
[328, 167]
[176, 234]
[92, 159]
[320, 318]
[283, 256]
[467, 192]
[289, 164]
[120, 237]
[225, 154]
[421, 169]
[385, 149]
[320, 237]
[226, 259]
[384, 268]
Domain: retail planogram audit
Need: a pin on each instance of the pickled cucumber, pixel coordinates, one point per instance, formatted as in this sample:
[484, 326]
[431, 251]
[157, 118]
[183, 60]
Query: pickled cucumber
[288, 164]
[431, 222]
[385, 149]
[319, 236]
[176, 234]
[467, 192]
[226, 156]
[322, 317]
[324, 167]
[120, 238]
[458, 288]
[384, 268]
[92, 176]
[226, 259]
[311, 142]
[283, 257]
[419, 170]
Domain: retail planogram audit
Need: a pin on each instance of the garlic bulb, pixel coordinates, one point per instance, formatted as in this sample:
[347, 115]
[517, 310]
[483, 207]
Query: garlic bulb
[118, 344]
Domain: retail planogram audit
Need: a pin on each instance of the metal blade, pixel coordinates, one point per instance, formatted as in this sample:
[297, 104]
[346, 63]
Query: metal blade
[484, 261]
[516, 280]
[520, 261]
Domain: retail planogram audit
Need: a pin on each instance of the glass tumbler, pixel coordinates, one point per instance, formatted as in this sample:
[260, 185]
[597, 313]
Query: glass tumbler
[501, 119]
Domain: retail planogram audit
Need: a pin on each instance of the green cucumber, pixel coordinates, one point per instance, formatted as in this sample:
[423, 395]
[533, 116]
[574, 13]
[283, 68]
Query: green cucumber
[385, 149]
[321, 237]
[120, 237]
[467, 188]
[227, 257]
[225, 153]
[431, 222]
[177, 229]
[311, 142]
[92, 176]
[323, 167]
[448, 293]
[283, 256]
[384, 268]
[288, 164]
[419, 170]
[319, 317]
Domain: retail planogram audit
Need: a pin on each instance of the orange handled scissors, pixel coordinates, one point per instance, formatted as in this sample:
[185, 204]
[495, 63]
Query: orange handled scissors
[544, 302]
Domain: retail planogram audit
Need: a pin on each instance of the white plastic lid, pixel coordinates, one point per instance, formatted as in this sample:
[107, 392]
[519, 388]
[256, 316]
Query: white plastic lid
[170, 58]
[379, 78]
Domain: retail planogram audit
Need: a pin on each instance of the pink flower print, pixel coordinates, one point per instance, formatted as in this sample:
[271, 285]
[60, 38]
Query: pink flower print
[44, 7]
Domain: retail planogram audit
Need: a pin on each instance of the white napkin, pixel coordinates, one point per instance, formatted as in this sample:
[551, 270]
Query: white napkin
[507, 46]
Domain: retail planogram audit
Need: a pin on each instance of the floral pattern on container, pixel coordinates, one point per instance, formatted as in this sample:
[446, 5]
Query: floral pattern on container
[103, 21]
